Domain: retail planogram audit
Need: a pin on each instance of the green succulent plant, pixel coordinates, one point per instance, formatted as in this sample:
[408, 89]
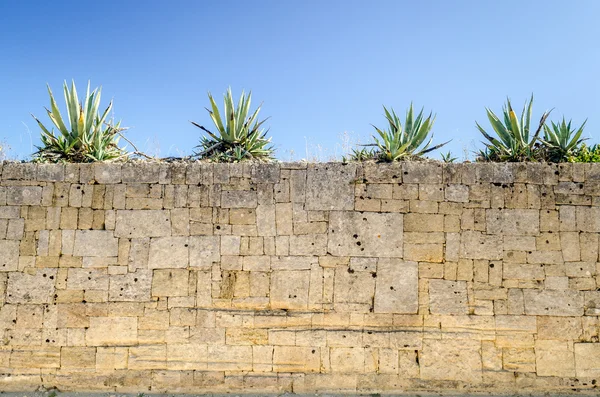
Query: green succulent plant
[515, 140]
[561, 140]
[239, 135]
[585, 154]
[448, 157]
[88, 137]
[404, 141]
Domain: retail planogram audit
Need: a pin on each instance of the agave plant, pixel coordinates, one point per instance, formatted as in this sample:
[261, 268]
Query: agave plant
[515, 140]
[87, 138]
[560, 140]
[239, 135]
[448, 157]
[402, 142]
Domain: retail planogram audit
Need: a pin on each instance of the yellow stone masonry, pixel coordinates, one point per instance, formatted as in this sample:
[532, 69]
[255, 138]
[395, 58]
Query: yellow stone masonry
[306, 278]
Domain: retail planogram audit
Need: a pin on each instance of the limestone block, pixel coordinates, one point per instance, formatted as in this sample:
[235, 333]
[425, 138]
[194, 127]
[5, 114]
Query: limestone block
[95, 243]
[588, 219]
[168, 253]
[111, 331]
[9, 260]
[513, 222]
[37, 287]
[475, 245]
[519, 271]
[19, 171]
[457, 193]
[84, 279]
[265, 173]
[243, 336]
[142, 223]
[371, 235]
[308, 244]
[518, 359]
[229, 358]
[289, 289]
[347, 359]
[111, 358]
[296, 359]
[415, 172]
[131, 287]
[553, 302]
[554, 358]
[448, 297]
[414, 222]
[396, 289]
[147, 357]
[107, 173]
[23, 195]
[266, 220]
[204, 250]
[353, 287]
[77, 357]
[239, 199]
[451, 360]
[587, 360]
[424, 252]
[29, 358]
[170, 282]
[330, 186]
[140, 172]
[187, 357]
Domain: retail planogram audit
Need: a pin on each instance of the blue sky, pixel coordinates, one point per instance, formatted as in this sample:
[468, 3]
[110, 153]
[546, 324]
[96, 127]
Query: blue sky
[321, 68]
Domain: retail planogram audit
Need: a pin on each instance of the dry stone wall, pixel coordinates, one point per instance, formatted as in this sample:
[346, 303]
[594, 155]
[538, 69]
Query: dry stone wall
[360, 278]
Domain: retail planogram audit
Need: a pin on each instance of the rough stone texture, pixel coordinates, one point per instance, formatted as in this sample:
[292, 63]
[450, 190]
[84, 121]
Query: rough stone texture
[308, 278]
[365, 234]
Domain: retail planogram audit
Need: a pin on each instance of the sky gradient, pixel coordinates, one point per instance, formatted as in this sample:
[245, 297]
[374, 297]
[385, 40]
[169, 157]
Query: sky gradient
[321, 68]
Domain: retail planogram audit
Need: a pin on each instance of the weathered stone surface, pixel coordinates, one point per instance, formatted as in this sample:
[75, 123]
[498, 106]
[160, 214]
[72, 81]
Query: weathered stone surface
[356, 234]
[351, 286]
[396, 288]
[554, 358]
[587, 360]
[289, 289]
[448, 297]
[296, 359]
[168, 253]
[553, 302]
[131, 287]
[142, 223]
[36, 288]
[475, 245]
[513, 222]
[9, 259]
[97, 243]
[239, 199]
[170, 282]
[86, 279]
[458, 360]
[204, 251]
[23, 195]
[111, 331]
[330, 186]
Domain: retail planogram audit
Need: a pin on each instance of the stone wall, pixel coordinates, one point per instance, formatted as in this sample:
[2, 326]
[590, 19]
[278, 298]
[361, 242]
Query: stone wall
[306, 278]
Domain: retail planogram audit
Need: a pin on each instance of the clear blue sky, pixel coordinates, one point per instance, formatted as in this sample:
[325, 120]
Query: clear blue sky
[321, 68]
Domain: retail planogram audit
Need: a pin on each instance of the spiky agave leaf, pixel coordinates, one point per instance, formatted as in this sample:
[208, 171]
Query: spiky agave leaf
[88, 137]
[239, 134]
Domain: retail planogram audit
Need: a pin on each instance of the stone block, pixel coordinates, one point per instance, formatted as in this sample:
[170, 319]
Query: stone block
[131, 287]
[9, 260]
[513, 222]
[296, 359]
[95, 243]
[142, 172]
[353, 287]
[31, 288]
[204, 251]
[554, 358]
[396, 286]
[142, 223]
[87, 279]
[23, 195]
[347, 360]
[553, 302]
[475, 245]
[455, 360]
[239, 199]
[229, 358]
[417, 172]
[187, 357]
[77, 357]
[168, 253]
[289, 289]
[371, 235]
[330, 186]
[111, 331]
[587, 360]
[448, 297]
[170, 282]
